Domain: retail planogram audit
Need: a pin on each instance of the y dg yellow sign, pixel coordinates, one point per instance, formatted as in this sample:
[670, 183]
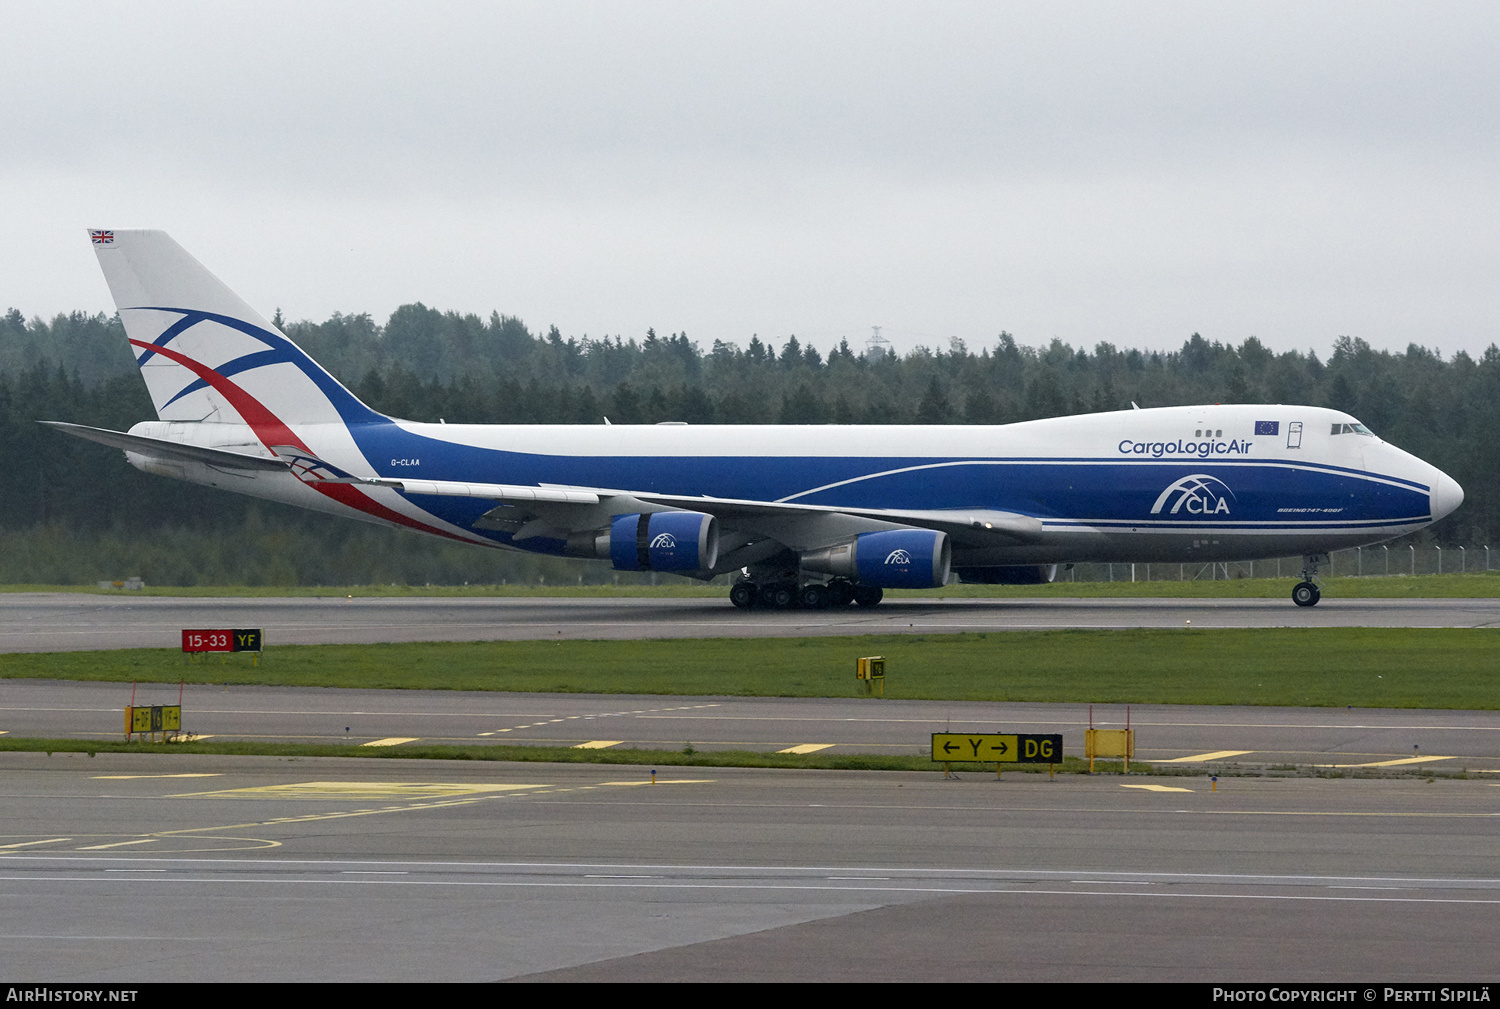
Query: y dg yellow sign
[987, 747]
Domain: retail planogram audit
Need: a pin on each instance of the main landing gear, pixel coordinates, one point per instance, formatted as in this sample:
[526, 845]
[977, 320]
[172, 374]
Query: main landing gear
[788, 595]
[1306, 592]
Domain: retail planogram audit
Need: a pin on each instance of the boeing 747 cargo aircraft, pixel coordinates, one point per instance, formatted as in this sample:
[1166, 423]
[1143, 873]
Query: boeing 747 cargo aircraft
[811, 516]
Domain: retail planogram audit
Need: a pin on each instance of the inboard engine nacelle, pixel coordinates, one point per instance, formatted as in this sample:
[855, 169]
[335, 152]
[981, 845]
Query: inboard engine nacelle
[662, 541]
[893, 559]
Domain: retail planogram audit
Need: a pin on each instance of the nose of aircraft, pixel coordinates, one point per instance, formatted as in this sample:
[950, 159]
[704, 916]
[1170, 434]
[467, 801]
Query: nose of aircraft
[1446, 495]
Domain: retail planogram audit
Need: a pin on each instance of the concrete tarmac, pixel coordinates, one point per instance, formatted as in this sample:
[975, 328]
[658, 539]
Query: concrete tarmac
[44, 622]
[125, 868]
[1365, 740]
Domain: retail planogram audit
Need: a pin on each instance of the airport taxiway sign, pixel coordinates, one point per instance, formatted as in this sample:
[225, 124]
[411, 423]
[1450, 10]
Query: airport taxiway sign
[996, 747]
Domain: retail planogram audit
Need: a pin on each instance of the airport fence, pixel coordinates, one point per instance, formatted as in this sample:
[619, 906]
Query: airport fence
[1361, 562]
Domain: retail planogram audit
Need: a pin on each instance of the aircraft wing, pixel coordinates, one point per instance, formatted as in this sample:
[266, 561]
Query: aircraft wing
[799, 526]
[956, 520]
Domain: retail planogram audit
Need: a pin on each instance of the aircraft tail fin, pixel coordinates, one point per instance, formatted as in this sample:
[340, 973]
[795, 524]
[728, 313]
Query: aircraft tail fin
[205, 354]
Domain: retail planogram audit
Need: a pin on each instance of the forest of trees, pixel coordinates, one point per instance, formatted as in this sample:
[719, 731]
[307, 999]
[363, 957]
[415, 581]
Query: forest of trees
[72, 512]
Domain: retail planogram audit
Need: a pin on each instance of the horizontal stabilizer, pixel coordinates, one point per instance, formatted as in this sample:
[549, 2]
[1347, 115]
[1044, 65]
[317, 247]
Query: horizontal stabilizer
[163, 449]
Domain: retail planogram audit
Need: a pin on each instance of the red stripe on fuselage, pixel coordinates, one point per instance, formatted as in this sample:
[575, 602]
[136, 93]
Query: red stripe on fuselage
[271, 431]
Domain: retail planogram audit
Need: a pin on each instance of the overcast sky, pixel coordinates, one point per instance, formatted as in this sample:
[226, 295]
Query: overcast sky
[1127, 172]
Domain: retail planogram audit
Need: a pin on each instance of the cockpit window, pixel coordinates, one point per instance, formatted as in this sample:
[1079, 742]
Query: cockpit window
[1353, 429]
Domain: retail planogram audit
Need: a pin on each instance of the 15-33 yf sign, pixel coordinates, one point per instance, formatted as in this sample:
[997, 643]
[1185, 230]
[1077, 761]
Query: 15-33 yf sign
[244, 639]
[991, 747]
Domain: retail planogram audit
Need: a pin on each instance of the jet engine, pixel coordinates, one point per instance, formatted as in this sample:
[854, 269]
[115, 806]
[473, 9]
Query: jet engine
[661, 541]
[893, 559]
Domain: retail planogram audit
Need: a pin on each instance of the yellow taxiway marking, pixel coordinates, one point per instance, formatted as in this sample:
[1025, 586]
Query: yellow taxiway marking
[125, 777]
[1393, 763]
[1158, 788]
[359, 790]
[806, 748]
[1215, 755]
[391, 741]
[117, 844]
[441, 796]
[27, 844]
[598, 744]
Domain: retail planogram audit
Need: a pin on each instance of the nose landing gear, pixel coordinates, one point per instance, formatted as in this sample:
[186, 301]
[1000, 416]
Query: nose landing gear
[1306, 592]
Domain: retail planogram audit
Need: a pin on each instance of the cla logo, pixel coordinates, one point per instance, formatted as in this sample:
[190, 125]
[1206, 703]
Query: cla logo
[1197, 494]
[898, 557]
[663, 541]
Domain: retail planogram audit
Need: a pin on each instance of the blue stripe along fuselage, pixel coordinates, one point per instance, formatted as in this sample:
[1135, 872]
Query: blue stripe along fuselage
[1286, 496]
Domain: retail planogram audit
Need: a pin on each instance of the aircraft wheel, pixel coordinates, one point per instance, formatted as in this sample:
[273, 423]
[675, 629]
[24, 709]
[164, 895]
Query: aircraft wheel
[840, 592]
[778, 596]
[868, 595]
[1306, 594]
[815, 596]
[742, 594]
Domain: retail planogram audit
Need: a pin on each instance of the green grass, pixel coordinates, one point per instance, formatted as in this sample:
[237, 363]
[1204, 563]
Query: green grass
[678, 590]
[1483, 585]
[550, 754]
[1364, 667]
[1470, 586]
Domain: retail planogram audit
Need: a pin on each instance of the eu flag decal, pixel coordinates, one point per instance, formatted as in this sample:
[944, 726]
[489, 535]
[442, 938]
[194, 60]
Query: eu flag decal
[1267, 426]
